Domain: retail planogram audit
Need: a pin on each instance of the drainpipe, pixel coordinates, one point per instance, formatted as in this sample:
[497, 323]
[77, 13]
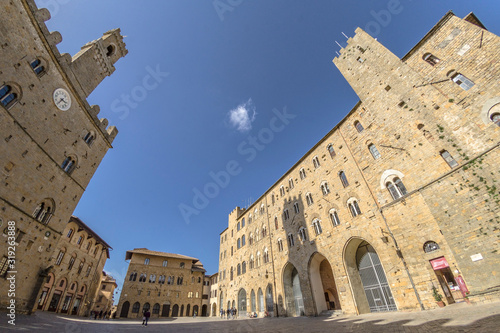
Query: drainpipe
[272, 263]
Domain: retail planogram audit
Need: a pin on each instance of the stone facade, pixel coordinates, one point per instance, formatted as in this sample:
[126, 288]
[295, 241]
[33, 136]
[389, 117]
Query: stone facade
[214, 309]
[52, 139]
[105, 295]
[170, 285]
[397, 199]
[72, 285]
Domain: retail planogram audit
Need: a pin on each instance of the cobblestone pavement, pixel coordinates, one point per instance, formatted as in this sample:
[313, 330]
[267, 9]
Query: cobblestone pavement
[460, 317]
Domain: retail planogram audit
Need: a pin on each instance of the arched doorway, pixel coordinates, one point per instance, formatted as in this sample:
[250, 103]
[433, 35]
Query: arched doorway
[242, 303]
[165, 311]
[125, 309]
[228, 305]
[182, 311]
[46, 291]
[56, 297]
[214, 310]
[175, 310]
[196, 310]
[323, 285]
[260, 303]
[188, 308]
[293, 291]
[252, 302]
[367, 277]
[204, 311]
[269, 299]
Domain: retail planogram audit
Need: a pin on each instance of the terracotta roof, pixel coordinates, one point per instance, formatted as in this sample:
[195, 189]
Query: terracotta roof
[98, 238]
[143, 250]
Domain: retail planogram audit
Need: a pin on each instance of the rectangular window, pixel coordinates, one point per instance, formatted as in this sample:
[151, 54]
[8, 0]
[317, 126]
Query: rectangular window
[59, 257]
[449, 159]
[462, 81]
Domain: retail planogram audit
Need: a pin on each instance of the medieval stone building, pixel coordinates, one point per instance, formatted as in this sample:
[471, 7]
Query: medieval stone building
[105, 293]
[399, 198]
[52, 141]
[73, 283]
[166, 284]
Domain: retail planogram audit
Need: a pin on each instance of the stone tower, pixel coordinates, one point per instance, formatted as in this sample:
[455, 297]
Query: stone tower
[52, 142]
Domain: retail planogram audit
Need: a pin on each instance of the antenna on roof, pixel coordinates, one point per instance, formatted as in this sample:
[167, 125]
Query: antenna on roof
[339, 44]
[344, 35]
[337, 53]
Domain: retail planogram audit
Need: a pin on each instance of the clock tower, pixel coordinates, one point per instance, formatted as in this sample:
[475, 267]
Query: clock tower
[96, 60]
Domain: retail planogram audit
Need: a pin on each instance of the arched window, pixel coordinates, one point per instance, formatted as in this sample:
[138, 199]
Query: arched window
[244, 267]
[374, 151]
[133, 276]
[89, 138]
[152, 278]
[325, 188]
[331, 150]
[309, 199]
[258, 259]
[70, 233]
[396, 188]
[430, 246]
[238, 270]
[231, 274]
[44, 211]
[358, 126]
[243, 240]
[37, 67]
[286, 214]
[8, 96]
[142, 277]
[280, 245]
[303, 234]
[266, 256]
[354, 208]
[316, 162]
[290, 183]
[296, 208]
[302, 173]
[136, 307]
[282, 190]
[182, 265]
[343, 179]
[250, 239]
[238, 243]
[165, 263]
[430, 59]
[60, 256]
[156, 308]
[243, 223]
[276, 223]
[146, 307]
[238, 226]
[89, 245]
[251, 262]
[272, 198]
[146, 261]
[291, 242]
[110, 50]
[264, 231]
[462, 81]
[317, 226]
[495, 118]
[334, 217]
[69, 164]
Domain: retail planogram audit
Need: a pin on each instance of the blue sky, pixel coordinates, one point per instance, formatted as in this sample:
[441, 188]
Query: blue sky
[222, 67]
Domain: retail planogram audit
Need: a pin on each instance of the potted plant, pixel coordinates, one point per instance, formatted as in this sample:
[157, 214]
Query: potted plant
[438, 297]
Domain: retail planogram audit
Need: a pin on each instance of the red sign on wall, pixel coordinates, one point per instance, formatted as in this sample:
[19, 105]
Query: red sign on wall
[439, 263]
[461, 283]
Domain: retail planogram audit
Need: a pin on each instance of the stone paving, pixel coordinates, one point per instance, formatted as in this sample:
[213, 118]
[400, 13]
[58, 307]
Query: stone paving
[459, 317]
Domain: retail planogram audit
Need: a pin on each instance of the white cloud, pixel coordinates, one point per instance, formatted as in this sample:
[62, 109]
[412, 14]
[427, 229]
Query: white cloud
[242, 116]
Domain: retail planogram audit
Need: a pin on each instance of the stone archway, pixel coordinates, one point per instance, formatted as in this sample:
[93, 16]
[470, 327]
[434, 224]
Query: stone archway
[293, 292]
[323, 285]
[242, 303]
[368, 281]
[125, 308]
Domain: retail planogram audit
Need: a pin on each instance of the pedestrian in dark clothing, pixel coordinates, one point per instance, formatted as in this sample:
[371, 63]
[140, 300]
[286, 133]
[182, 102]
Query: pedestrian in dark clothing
[100, 314]
[145, 319]
[235, 312]
[95, 315]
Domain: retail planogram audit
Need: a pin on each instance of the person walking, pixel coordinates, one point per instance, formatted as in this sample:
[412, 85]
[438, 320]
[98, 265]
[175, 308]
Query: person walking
[221, 313]
[100, 314]
[235, 312]
[145, 318]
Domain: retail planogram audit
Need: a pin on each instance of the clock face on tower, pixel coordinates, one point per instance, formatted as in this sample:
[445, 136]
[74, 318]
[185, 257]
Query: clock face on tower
[62, 99]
